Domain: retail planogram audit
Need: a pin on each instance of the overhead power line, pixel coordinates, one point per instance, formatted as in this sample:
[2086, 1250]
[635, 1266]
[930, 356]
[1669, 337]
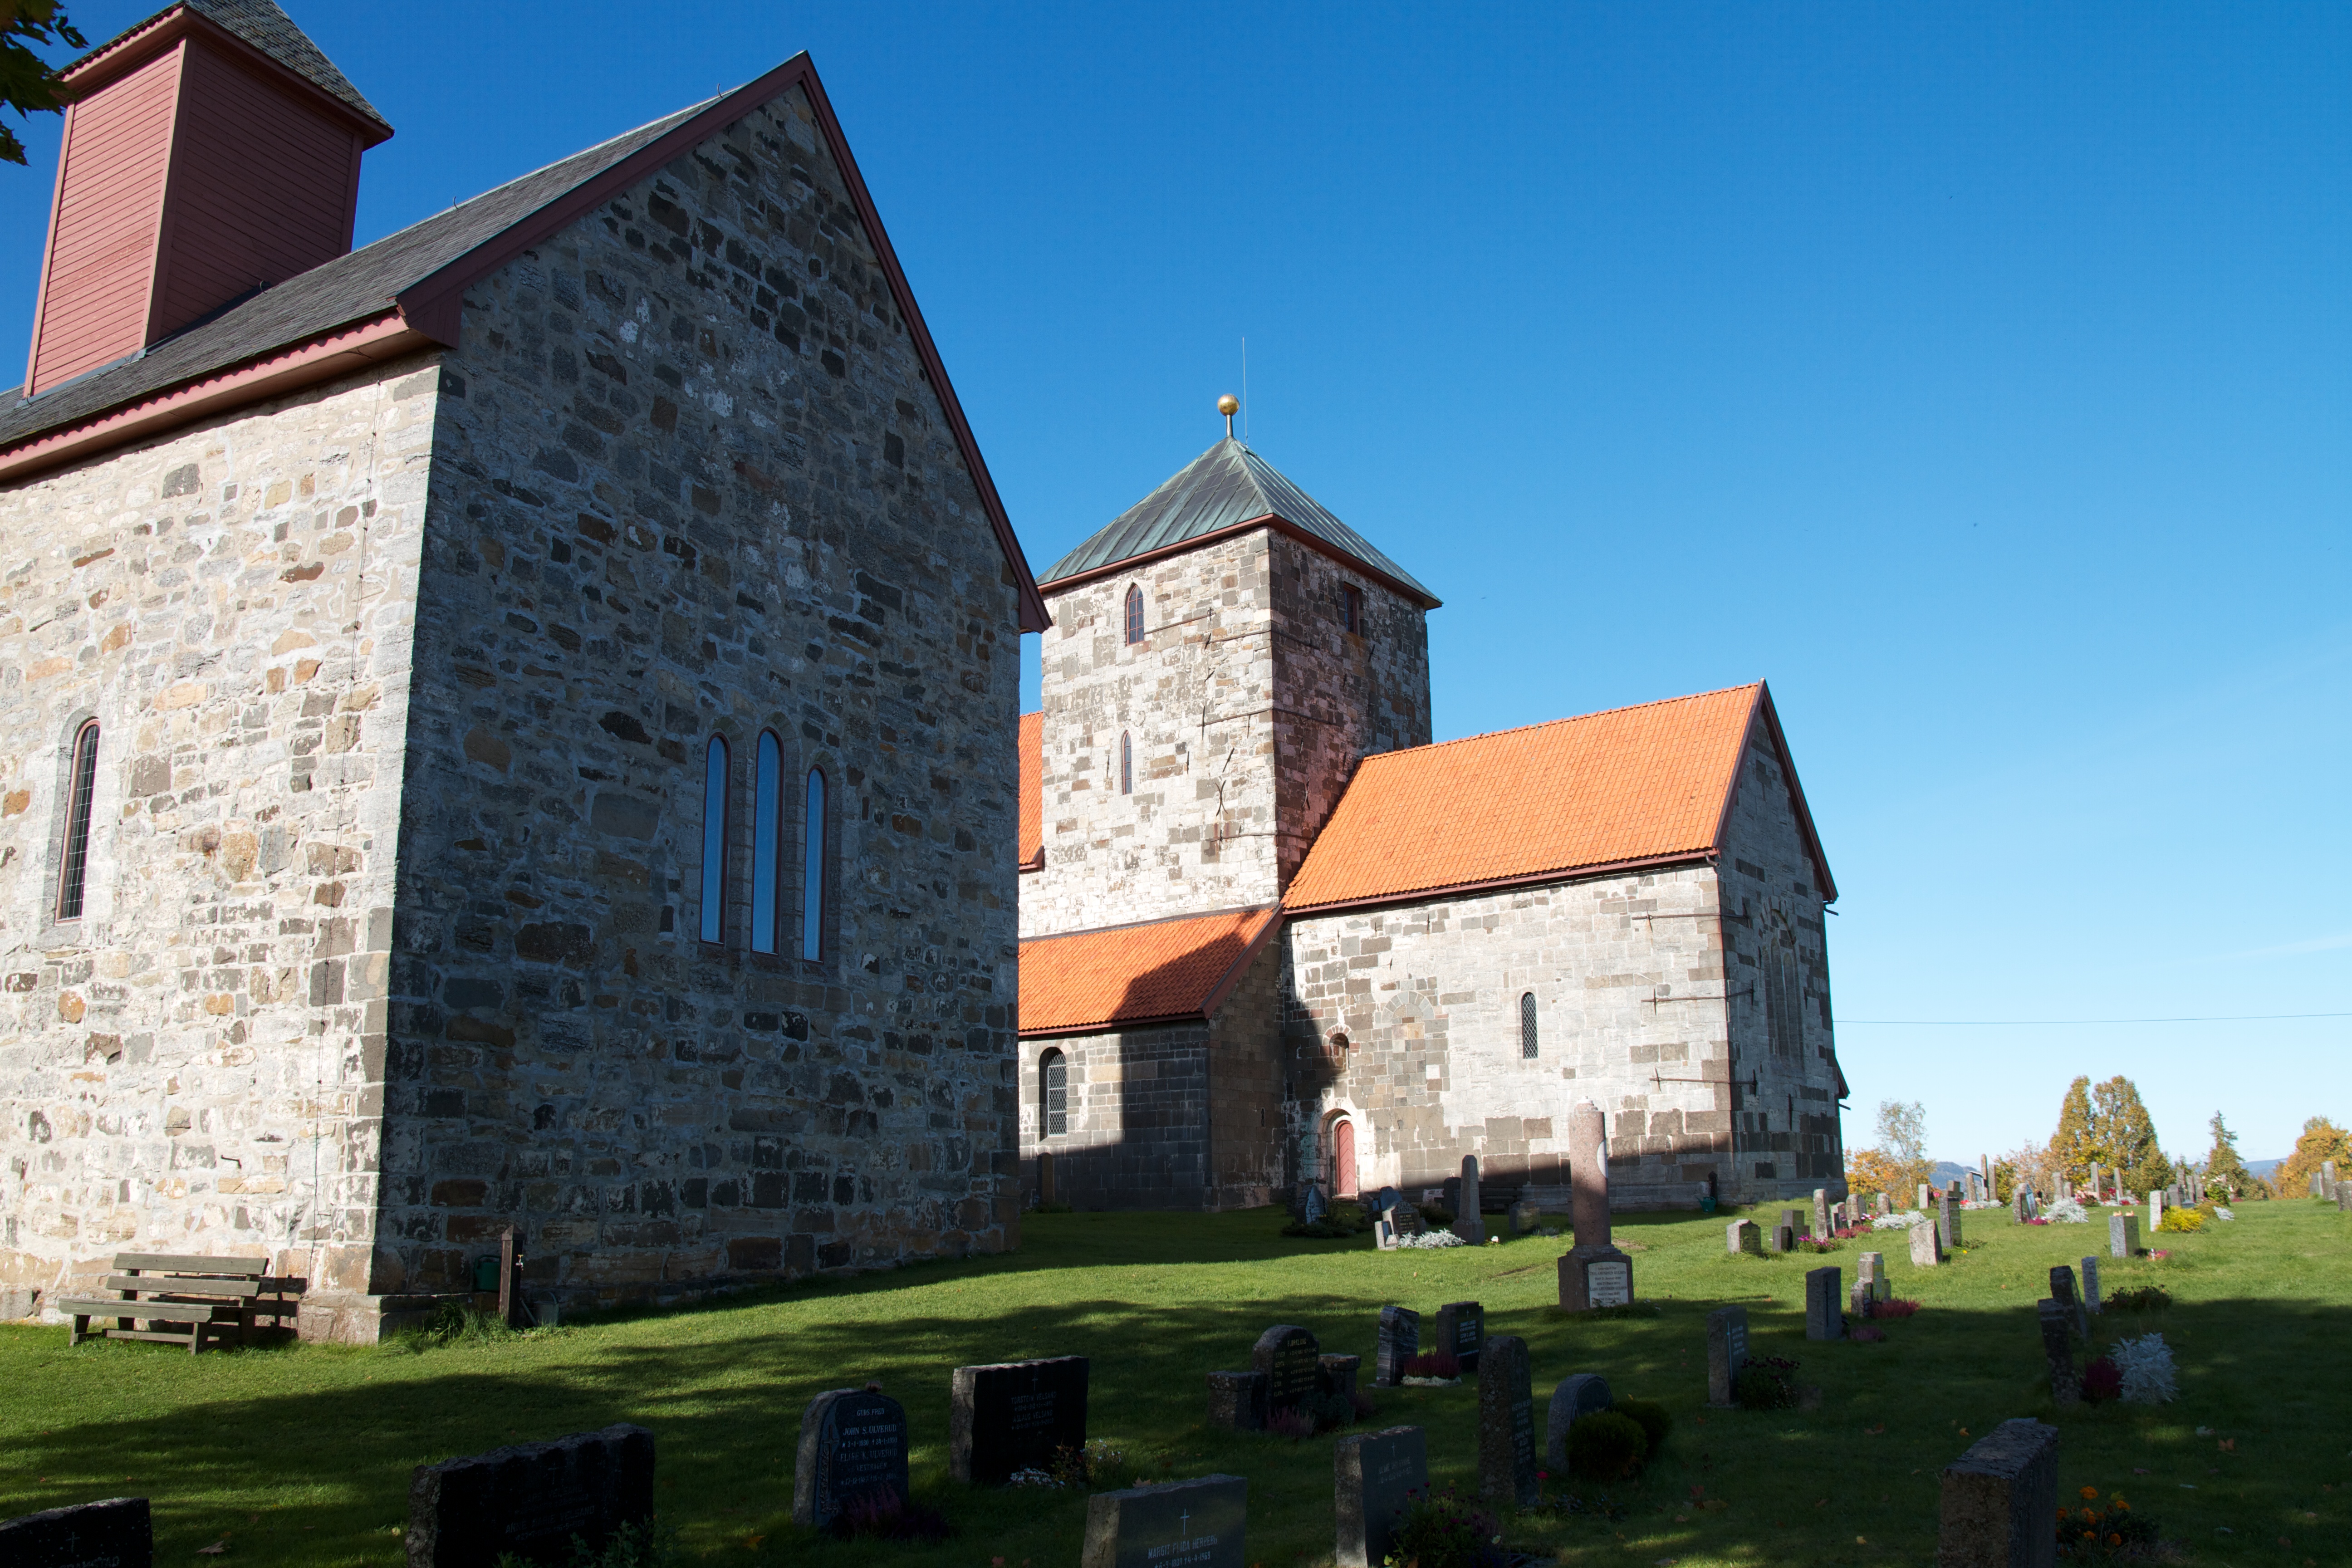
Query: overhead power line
[2035, 1023]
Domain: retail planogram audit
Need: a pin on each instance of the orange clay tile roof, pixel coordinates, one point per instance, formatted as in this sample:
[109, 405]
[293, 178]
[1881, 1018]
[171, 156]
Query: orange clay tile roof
[1032, 789]
[1647, 783]
[1135, 974]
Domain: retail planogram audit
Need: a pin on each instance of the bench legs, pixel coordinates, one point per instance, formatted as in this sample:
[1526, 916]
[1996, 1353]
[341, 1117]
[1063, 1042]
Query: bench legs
[80, 1329]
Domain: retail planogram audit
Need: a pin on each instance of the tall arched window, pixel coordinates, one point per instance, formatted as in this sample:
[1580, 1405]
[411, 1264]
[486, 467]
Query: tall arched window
[714, 839]
[1528, 1026]
[813, 889]
[1054, 1093]
[1134, 615]
[767, 843]
[73, 872]
[1126, 765]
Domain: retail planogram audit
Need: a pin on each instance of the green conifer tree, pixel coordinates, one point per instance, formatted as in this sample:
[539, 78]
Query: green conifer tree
[2120, 1124]
[2321, 1140]
[2075, 1145]
[2226, 1175]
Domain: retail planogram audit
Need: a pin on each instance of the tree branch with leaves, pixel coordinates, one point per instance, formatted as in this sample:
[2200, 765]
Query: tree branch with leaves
[27, 83]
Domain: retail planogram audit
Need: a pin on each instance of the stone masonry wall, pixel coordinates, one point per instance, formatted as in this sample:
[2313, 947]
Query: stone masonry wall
[1137, 1105]
[195, 1065]
[1627, 973]
[1245, 1087]
[691, 480]
[1786, 1130]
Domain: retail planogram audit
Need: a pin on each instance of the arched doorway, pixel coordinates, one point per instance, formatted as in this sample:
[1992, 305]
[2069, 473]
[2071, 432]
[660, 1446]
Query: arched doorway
[1343, 1158]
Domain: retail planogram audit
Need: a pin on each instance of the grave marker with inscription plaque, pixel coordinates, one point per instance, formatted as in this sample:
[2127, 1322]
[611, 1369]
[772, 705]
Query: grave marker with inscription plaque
[1461, 1332]
[1400, 1342]
[115, 1533]
[852, 1445]
[1177, 1524]
[1506, 1425]
[1727, 1353]
[1373, 1473]
[1014, 1415]
[529, 1499]
[1292, 1361]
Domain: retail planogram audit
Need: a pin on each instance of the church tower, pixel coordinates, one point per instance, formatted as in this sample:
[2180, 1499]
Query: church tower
[1223, 654]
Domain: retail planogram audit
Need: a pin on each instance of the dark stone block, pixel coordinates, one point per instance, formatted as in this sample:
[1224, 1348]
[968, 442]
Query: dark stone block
[1290, 1359]
[1014, 1415]
[1400, 1342]
[852, 1445]
[1507, 1429]
[1375, 1473]
[1461, 1332]
[530, 1498]
[1998, 1500]
[1237, 1401]
[1182, 1524]
[115, 1533]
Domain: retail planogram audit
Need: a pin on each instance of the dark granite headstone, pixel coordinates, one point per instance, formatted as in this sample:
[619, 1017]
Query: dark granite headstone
[1461, 1332]
[1338, 1374]
[1506, 1425]
[1400, 1342]
[2058, 1348]
[1292, 1362]
[1947, 1222]
[1373, 1475]
[2090, 1285]
[1573, 1396]
[1014, 1415]
[852, 1445]
[1824, 1313]
[2062, 1290]
[115, 1533]
[1744, 1236]
[1237, 1401]
[1469, 1222]
[1177, 1524]
[1312, 1209]
[529, 1499]
[1998, 1500]
[1784, 1239]
[1727, 1353]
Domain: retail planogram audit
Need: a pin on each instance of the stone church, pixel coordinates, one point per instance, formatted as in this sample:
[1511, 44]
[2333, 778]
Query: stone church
[1272, 936]
[511, 725]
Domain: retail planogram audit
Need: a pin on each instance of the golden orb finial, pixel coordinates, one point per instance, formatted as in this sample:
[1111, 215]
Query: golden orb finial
[1229, 405]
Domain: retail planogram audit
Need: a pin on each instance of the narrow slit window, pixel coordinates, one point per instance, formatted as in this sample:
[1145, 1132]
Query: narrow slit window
[1126, 763]
[812, 890]
[1351, 608]
[1134, 617]
[767, 846]
[714, 839]
[1528, 1042]
[73, 874]
[1054, 1092]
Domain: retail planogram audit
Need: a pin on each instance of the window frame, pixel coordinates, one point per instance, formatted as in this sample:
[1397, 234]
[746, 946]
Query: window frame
[1126, 763]
[1351, 609]
[1530, 1036]
[816, 867]
[1133, 610]
[768, 843]
[1052, 1063]
[712, 916]
[81, 802]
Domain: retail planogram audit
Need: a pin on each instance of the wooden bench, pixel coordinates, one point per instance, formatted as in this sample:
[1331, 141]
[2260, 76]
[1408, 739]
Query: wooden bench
[199, 1298]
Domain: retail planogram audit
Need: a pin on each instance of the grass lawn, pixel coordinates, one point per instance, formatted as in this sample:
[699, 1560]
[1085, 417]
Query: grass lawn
[302, 1454]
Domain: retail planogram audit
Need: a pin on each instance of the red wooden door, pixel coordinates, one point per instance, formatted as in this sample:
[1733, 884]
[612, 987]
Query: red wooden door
[1343, 1159]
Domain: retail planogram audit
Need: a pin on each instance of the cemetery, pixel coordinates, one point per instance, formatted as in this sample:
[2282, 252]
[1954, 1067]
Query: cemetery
[1171, 1391]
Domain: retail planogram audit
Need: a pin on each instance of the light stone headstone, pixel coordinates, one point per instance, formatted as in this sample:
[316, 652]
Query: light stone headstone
[2155, 1211]
[1998, 1500]
[1824, 1313]
[1947, 1223]
[1573, 1396]
[1468, 1223]
[1822, 1226]
[1384, 1234]
[2091, 1285]
[1506, 1425]
[1175, 1524]
[2058, 1350]
[1014, 1415]
[1920, 1198]
[1592, 1273]
[1926, 1250]
[2122, 1235]
[116, 1533]
[852, 1446]
[1727, 1353]
[1399, 1343]
[530, 1498]
[1744, 1236]
[1373, 1475]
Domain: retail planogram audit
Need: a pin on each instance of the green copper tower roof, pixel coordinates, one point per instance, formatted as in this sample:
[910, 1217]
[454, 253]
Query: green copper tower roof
[1224, 488]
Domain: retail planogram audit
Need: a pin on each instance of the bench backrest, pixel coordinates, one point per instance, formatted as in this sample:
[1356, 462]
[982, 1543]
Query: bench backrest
[166, 1263]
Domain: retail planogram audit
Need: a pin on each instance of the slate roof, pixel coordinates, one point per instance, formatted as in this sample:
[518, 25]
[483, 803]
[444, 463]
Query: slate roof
[1644, 784]
[272, 31]
[1227, 486]
[1158, 973]
[337, 293]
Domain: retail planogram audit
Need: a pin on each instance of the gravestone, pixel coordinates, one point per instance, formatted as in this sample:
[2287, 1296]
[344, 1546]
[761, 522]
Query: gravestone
[1824, 1313]
[1744, 1236]
[1386, 1200]
[1784, 1237]
[1821, 1227]
[1400, 1342]
[1999, 1499]
[1374, 1474]
[530, 1498]
[1884, 1207]
[2122, 1235]
[2018, 1201]
[1461, 1332]
[2344, 1196]
[2091, 1285]
[1312, 1209]
[1237, 1401]
[1385, 1233]
[1338, 1374]
[1468, 1223]
[2097, 1188]
[1292, 1361]
[1506, 1425]
[1926, 1247]
[1870, 1268]
[1947, 1223]
[2155, 1211]
[1571, 1398]
[1727, 1353]
[1014, 1415]
[1525, 1216]
[2058, 1348]
[1592, 1273]
[2062, 1290]
[1794, 1221]
[852, 1445]
[116, 1533]
[1920, 1200]
[1176, 1524]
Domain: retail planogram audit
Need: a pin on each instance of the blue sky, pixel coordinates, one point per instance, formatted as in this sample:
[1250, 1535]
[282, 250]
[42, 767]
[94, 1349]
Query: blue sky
[1978, 375]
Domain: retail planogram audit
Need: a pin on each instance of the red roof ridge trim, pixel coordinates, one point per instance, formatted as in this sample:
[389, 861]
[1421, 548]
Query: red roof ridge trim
[1214, 914]
[1549, 723]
